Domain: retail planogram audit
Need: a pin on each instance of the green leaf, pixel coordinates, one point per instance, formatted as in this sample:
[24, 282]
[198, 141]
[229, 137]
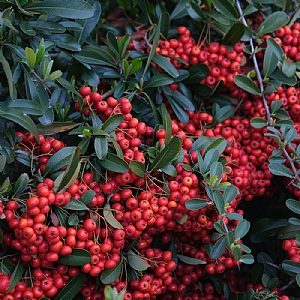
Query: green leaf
[76, 205]
[76, 9]
[223, 113]
[71, 172]
[178, 110]
[112, 123]
[246, 84]
[165, 65]
[21, 184]
[78, 257]
[73, 220]
[137, 168]
[276, 49]
[72, 288]
[114, 163]
[182, 100]
[288, 68]
[158, 80]
[56, 127]
[216, 169]
[293, 205]
[218, 248]
[219, 202]
[112, 43]
[136, 262]
[196, 203]
[18, 117]
[47, 26]
[7, 267]
[270, 62]
[264, 228]
[197, 73]
[211, 156]
[278, 75]
[226, 9]
[234, 34]
[247, 259]
[101, 147]
[88, 24]
[30, 57]
[65, 41]
[258, 122]
[87, 197]
[59, 159]
[169, 169]
[63, 219]
[8, 74]
[291, 266]
[191, 260]
[272, 22]
[241, 229]
[109, 217]
[16, 276]
[289, 231]
[280, 170]
[230, 193]
[110, 275]
[167, 154]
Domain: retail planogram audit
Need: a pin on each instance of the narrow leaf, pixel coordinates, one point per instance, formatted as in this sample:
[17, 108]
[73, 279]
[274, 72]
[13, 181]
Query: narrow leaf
[101, 147]
[136, 262]
[76, 205]
[196, 203]
[110, 275]
[167, 154]
[137, 168]
[78, 257]
[191, 260]
[72, 288]
[246, 84]
[16, 276]
[109, 217]
[114, 163]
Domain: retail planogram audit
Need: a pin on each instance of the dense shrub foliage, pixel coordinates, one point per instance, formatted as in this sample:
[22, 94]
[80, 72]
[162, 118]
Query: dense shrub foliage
[149, 150]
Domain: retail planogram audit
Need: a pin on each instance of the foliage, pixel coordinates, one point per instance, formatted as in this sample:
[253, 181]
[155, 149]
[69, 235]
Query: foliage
[150, 137]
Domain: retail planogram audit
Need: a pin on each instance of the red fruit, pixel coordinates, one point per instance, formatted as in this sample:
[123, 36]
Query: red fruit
[4, 284]
[85, 91]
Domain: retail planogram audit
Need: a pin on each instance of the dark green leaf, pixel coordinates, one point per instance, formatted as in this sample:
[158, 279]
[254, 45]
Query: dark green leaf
[272, 22]
[69, 176]
[278, 75]
[280, 170]
[246, 84]
[276, 49]
[114, 163]
[197, 73]
[27, 106]
[78, 257]
[258, 122]
[21, 184]
[7, 267]
[87, 197]
[16, 276]
[290, 231]
[88, 24]
[56, 127]
[179, 11]
[196, 203]
[226, 9]
[234, 34]
[241, 229]
[182, 100]
[293, 205]
[48, 26]
[178, 110]
[211, 156]
[60, 159]
[90, 56]
[218, 248]
[136, 262]
[137, 168]
[112, 43]
[18, 117]
[65, 41]
[101, 147]
[112, 122]
[73, 220]
[76, 205]
[76, 9]
[72, 288]
[223, 113]
[264, 228]
[165, 65]
[63, 219]
[270, 62]
[165, 24]
[167, 154]
[169, 169]
[158, 80]
[191, 260]
[110, 275]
